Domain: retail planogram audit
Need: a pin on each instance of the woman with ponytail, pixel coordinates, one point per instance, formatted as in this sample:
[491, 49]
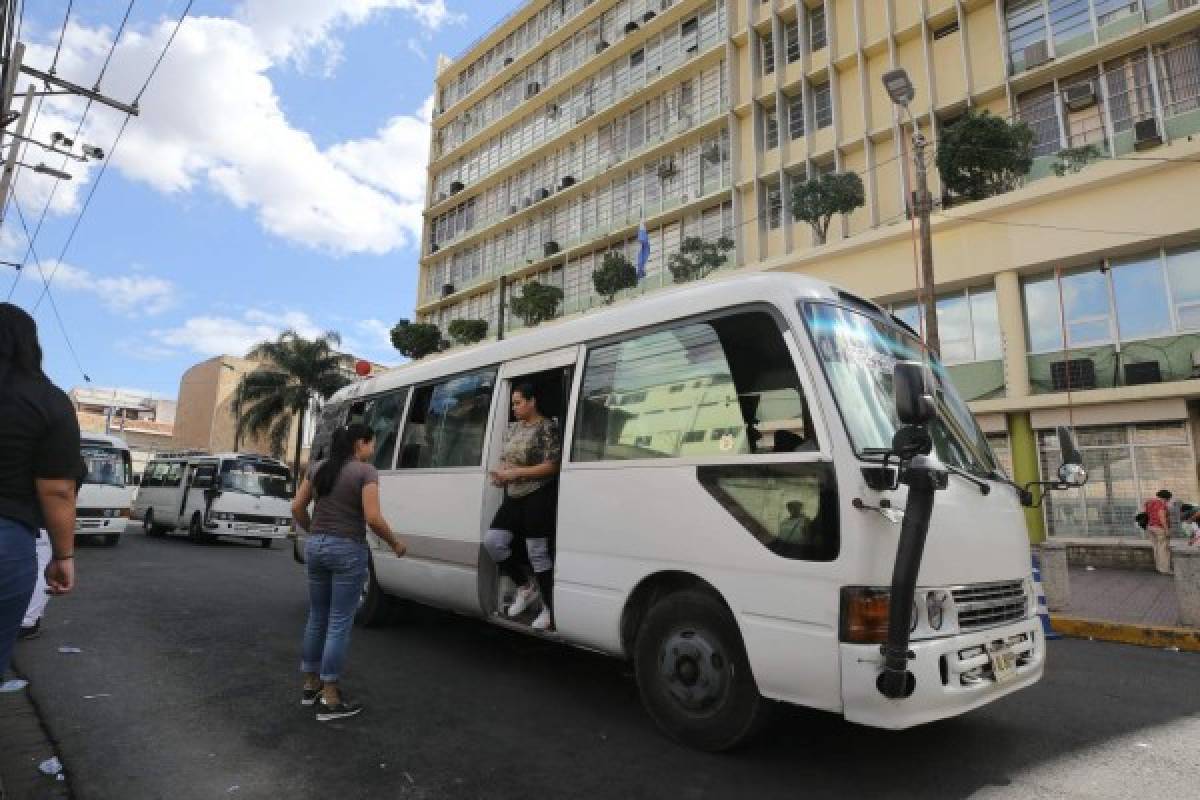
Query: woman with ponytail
[346, 489]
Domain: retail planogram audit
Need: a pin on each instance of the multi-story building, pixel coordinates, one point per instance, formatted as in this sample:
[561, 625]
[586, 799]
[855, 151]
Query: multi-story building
[144, 421]
[1071, 298]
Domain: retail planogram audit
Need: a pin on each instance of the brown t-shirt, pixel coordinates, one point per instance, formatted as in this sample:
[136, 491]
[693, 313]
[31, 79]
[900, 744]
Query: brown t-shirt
[341, 512]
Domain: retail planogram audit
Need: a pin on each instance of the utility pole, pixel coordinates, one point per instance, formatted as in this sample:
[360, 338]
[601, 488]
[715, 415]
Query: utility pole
[924, 207]
[6, 97]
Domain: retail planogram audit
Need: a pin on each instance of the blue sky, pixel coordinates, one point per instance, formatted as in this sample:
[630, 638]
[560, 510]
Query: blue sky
[274, 178]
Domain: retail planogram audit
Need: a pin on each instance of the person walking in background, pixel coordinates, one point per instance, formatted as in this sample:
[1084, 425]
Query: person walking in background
[31, 627]
[346, 489]
[39, 455]
[1158, 527]
[528, 471]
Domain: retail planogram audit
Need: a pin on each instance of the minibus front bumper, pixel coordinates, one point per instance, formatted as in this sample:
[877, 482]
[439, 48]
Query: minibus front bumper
[953, 674]
[249, 530]
[100, 526]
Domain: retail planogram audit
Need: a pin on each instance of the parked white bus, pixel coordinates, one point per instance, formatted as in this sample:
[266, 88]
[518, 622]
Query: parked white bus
[746, 506]
[105, 495]
[230, 494]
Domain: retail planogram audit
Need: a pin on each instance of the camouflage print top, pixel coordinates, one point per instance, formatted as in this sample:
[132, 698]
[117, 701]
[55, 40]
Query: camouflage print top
[530, 445]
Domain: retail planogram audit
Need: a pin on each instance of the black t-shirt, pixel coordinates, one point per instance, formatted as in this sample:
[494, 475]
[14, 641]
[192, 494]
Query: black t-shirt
[39, 438]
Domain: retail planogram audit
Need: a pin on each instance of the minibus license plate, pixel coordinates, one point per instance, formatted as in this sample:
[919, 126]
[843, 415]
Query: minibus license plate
[1004, 662]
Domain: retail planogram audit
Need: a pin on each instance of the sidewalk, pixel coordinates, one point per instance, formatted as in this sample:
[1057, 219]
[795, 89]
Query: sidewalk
[24, 744]
[1124, 605]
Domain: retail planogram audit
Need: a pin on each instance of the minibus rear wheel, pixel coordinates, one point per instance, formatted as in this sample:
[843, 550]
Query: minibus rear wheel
[693, 674]
[148, 526]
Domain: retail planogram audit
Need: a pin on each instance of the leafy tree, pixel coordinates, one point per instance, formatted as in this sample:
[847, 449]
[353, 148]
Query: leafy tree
[614, 274]
[467, 331]
[698, 257]
[293, 373]
[983, 155]
[537, 303]
[817, 199]
[416, 340]
[1074, 159]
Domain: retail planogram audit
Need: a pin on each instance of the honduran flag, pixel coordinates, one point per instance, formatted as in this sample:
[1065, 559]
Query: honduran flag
[643, 250]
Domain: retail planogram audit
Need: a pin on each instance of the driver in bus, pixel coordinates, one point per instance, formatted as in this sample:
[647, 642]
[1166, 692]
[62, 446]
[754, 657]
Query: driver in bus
[528, 471]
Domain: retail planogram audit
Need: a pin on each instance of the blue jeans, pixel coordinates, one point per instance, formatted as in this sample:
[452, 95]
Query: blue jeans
[18, 574]
[337, 570]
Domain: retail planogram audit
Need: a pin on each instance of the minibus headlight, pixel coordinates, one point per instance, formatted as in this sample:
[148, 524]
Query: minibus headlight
[935, 609]
[864, 615]
[222, 515]
[123, 512]
[284, 521]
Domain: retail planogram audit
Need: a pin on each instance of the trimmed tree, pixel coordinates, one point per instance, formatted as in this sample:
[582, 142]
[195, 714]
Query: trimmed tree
[615, 273]
[467, 331]
[537, 303]
[698, 257]
[816, 200]
[982, 155]
[416, 340]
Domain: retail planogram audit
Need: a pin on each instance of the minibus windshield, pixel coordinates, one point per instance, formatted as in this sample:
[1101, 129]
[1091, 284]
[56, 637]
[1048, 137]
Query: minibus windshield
[858, 354]
[260, 480]
[106, 466]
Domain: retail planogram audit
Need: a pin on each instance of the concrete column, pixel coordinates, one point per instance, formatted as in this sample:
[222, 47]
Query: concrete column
[1012, 333]
[1025, 469]
[1186, 561]
[1055, 579]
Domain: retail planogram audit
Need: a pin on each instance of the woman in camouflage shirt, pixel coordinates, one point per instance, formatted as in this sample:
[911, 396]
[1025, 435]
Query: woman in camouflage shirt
[528, 472]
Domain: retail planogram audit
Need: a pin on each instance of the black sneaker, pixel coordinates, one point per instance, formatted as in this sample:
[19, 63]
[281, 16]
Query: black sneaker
[310, 696]
[30, 631]
[341, 710]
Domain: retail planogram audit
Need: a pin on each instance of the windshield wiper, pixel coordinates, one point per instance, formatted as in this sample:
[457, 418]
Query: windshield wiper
[984, 486]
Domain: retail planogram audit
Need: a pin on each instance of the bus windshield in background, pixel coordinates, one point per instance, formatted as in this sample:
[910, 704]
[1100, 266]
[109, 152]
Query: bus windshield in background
[106, 466]
[260, 480]
[858, 354]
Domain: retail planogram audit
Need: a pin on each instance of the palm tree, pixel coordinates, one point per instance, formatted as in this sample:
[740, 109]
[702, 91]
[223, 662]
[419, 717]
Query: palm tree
[294, 373]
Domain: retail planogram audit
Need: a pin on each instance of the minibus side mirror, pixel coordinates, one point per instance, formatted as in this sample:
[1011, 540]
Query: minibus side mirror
[914, 400]
[1072, 473]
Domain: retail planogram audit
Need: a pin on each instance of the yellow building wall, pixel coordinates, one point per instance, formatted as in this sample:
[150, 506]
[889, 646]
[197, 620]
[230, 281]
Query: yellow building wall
[948, 67]
[850, 105]
[881, 105]
[985, 49]
[911, 55]
[907, 13]
[875, 22]
[855, 160]
[843, 40]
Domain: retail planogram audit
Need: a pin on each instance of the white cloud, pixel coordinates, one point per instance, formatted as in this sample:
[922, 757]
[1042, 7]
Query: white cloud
[221, 335]
[212, 119]
[131, 295]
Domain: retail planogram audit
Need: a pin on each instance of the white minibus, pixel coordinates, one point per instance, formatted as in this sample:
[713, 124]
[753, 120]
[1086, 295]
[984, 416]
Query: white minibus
[769, 492]
[230, 494]
[105, 495]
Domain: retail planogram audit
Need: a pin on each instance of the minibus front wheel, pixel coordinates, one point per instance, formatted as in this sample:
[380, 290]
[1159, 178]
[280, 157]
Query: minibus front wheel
[375, 606]
[693, 675]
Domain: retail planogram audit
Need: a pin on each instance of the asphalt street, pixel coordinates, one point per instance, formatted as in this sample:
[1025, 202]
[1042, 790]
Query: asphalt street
[186, 686]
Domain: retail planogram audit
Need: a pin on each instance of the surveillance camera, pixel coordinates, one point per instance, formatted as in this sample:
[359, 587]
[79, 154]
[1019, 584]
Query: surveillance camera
[93, 152]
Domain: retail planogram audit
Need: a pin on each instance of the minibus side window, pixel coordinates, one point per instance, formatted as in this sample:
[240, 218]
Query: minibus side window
[173, 474]
[721, 387]
[447, 421]
[154, 473]
[382, 415]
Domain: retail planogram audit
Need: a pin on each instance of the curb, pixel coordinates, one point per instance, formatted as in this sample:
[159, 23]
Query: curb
[1187, 639]
[24, 743]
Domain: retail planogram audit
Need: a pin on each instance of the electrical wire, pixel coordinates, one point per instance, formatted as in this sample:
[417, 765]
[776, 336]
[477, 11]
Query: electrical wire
[62, 34]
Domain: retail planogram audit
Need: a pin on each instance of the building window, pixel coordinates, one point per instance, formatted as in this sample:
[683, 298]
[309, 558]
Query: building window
[766, 43]
[1037, 109]
[791, 32]
[770, 119]
[1179, 74]
[1183, 272]
[1002, 450]
[822, 105]
[795, 116]
[1126, 465]
[1130, 93]
[817, 36]
[968, 325]
[1028, 45]
[637, 57]
[752, 393]
[773, 204]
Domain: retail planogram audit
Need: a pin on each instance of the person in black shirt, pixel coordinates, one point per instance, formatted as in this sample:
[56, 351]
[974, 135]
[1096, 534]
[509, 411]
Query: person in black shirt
[39, 454]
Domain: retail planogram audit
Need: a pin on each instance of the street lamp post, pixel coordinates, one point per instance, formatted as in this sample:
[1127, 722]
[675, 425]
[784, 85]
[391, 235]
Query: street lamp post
[901, 91]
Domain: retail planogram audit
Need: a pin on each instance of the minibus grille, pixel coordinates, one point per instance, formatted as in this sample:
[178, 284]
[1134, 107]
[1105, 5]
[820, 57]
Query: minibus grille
[984, 605]
[257, 519]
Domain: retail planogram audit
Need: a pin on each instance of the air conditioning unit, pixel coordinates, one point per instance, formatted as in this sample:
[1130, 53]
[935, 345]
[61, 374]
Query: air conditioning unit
[540, 195]
[549, 248]
[447, 289]
[1146, 134]
[532, 88]
[601, 46]
[442, 196]
[456, 187]
[434, 247]
[1080, 96]
[649, 15]
[690, 42]
[630, 27]
[566, 182]
[1142, 372]
[1073, 375]
[507, 60]
[1036, 53]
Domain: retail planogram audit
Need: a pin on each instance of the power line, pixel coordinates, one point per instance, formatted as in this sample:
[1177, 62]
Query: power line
[62, 34]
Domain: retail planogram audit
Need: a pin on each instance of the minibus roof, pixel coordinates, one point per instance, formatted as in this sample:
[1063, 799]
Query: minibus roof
[88, 439]
[653, 309]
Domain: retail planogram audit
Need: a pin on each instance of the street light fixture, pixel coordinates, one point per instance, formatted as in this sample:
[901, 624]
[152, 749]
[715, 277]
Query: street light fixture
[900, 89]
[45, 170]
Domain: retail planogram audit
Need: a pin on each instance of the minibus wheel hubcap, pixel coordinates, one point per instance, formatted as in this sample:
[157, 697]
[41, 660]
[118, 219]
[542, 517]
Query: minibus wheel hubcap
[693, 669]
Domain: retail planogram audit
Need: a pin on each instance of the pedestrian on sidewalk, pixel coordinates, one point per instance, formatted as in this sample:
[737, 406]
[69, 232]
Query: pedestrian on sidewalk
[1158, 528]
[346, 489]
[39, 453]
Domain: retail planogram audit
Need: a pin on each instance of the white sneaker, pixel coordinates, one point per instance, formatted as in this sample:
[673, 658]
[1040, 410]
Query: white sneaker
[525, 598]
[544, 621]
